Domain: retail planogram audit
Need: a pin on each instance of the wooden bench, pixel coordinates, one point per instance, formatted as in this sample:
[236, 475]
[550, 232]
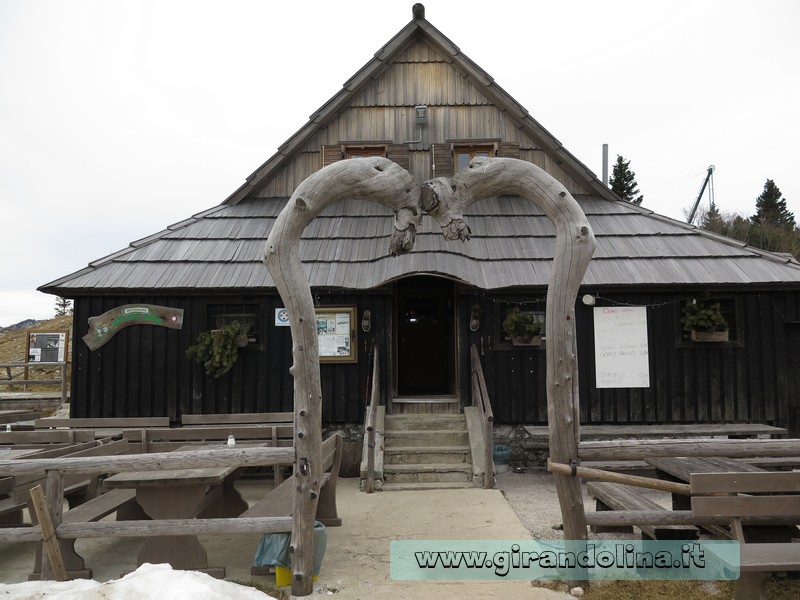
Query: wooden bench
[615, 496]
[756, 559]
[103, 426]
[538, 437]
[45, 438]
[166, 440]
[278, 502]
[205, 420]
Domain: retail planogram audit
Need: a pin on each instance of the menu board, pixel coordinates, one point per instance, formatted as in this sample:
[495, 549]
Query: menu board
[620, 345]
[336, 333]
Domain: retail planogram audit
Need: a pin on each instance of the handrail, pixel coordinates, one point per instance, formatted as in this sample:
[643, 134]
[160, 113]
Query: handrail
[372, 410]
[36, 365]
[480, 399]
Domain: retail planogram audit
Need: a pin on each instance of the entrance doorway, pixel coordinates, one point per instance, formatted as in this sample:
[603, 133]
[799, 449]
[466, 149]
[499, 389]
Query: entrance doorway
[425, 337]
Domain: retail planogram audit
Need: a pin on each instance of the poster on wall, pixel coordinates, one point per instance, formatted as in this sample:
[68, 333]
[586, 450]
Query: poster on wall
[47, 347]
[336, 333]
[621, 351]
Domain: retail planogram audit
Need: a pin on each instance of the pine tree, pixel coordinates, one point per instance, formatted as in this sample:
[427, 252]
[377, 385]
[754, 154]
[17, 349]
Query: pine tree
[63, 306]
[771, 209]
[623, 182]
[712, 220]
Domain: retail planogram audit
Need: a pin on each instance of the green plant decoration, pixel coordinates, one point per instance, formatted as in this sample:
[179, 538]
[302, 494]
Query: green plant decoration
[217, 350]
[701, 315]
[522, 326]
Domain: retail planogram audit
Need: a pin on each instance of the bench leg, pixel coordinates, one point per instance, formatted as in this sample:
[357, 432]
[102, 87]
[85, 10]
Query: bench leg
[73, 562]
[327, 514]
[752, 586]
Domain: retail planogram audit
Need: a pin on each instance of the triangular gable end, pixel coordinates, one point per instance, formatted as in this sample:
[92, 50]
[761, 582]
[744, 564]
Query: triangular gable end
[417, 46]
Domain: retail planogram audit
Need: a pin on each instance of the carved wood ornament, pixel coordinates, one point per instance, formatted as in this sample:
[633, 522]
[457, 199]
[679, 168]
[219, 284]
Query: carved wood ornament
[445, 199]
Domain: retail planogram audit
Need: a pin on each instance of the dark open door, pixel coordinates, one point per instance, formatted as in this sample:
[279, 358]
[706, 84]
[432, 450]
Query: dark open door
[425, 337]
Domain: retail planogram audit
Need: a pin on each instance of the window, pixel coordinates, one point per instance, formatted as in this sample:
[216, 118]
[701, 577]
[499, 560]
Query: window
[731, 312]
[534, 310]
[463, 154]
[365, 151]
[246, 313]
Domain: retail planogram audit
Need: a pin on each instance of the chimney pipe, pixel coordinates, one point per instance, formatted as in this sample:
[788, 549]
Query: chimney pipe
[605, 165]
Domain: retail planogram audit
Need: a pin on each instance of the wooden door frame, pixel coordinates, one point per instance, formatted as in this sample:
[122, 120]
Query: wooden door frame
[393, 353]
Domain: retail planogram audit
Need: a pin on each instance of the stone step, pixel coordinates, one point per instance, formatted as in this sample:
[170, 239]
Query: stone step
[419, 422]
[427, 473]
[426, 437]
[435, 485]
[426, 454]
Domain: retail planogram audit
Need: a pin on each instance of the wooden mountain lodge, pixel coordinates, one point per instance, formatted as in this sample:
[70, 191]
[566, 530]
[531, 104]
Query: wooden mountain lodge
[420, 102]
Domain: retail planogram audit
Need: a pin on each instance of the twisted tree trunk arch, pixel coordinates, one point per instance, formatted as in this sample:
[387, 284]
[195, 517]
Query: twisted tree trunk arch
[381, 180]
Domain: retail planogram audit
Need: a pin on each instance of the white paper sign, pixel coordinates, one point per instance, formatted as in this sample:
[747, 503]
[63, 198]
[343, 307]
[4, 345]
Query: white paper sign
[620, 347]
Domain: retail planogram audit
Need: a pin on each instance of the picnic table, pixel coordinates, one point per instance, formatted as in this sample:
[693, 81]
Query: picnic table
[683, 467]
[182, 494]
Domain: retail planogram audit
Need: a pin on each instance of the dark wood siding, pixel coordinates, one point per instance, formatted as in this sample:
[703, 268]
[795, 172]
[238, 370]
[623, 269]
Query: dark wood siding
[739, 382]
[144, 370]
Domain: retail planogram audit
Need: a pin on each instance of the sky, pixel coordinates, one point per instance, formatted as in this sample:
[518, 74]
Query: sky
[119, 118]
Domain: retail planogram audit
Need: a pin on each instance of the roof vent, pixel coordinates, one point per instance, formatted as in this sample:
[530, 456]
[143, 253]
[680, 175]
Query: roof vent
[418, 10]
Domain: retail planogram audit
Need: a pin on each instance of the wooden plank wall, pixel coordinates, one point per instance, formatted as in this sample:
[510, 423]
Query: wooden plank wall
[748, 381]
[144, 371]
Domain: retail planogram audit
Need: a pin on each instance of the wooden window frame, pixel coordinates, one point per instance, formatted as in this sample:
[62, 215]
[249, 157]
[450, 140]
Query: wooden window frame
[348, 150]
[472, 149]
[248, 312]
[502, 341]
[731, 309]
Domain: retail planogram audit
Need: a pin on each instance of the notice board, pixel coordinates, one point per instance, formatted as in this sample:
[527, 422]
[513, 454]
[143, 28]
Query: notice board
[47, 347]
[620, 347]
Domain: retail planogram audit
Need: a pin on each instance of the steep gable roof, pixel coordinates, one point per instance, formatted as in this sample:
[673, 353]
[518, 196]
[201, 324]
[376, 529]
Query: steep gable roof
[420, 29]
[346, 247]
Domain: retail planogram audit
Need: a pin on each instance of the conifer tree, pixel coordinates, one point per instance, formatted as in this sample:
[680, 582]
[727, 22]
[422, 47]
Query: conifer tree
[771, 209]
[623, 182]
[63, 306]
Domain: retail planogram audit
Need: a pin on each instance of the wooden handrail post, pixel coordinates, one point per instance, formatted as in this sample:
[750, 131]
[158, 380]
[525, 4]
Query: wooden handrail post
[49, 512]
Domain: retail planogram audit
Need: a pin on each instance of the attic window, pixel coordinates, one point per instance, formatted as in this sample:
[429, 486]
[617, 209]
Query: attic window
[464, 154]
[365, 151]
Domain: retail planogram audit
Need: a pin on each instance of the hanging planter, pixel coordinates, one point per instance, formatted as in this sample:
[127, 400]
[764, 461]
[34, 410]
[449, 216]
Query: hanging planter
[217, 350]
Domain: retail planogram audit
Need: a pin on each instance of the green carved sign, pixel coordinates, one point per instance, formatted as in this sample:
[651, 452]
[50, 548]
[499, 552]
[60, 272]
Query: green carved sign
[102, 328]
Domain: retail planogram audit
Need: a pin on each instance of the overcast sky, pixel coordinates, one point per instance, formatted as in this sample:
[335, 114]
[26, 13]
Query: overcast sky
[118, 118]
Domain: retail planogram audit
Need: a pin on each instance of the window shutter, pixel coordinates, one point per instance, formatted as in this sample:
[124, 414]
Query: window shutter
[331, 154]
[442, 159]
[400, 154]
[508, 150]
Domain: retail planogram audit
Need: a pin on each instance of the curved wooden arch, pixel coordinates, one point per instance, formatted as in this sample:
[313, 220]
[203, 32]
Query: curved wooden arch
[376, 179]
[381, 180]
[445, 199]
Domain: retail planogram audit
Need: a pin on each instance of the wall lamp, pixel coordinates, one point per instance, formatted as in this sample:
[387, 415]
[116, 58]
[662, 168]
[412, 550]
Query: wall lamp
[589, 299]
[421, 118]
[366, 321]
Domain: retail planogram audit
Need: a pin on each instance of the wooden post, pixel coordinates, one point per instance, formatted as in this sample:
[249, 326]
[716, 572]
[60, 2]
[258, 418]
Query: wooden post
[445, 199]
[376, 179]
[49, 513]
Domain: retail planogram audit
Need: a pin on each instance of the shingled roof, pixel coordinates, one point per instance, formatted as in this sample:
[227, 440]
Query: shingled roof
[346, 247]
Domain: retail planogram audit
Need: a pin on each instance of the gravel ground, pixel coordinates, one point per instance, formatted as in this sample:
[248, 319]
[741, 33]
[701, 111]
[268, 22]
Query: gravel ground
[532, 495]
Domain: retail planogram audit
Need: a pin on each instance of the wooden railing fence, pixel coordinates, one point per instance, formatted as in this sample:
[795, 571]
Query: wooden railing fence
[481, 400]
[56, 469]
[372, 409]
[10, 377]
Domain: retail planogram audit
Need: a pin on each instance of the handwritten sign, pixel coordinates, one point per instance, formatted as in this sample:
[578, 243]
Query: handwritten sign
[620, 346]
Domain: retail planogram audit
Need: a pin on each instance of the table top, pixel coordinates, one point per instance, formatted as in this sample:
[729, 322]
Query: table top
[170, 477]
[683, 466]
